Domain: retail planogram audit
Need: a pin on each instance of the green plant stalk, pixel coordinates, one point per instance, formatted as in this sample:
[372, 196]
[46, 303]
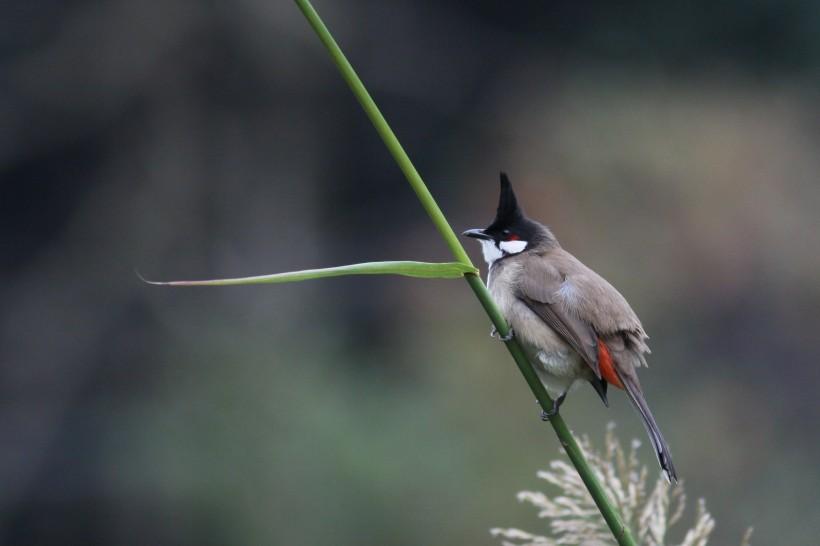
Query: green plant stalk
[613, 519]
[386, 133]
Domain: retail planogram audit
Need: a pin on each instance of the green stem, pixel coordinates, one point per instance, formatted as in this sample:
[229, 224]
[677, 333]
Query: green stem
[386, 133]
[619, 530]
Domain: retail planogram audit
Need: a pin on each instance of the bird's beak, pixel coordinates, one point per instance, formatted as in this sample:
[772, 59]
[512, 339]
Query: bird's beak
[477, 234]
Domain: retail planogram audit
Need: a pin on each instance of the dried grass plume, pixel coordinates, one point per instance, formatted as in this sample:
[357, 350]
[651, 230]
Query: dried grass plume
[574, 518]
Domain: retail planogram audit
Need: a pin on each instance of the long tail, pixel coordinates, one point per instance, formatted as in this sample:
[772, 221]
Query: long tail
[633, 390]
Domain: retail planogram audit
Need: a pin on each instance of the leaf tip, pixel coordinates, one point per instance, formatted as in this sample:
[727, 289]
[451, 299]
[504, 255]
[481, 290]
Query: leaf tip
[146, 281]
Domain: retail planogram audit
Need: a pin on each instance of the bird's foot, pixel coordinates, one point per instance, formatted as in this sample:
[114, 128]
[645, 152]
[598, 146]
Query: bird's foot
[553, 411]
[494, 333]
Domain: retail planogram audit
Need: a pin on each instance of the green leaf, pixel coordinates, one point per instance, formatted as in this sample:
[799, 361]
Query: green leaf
[423, 270]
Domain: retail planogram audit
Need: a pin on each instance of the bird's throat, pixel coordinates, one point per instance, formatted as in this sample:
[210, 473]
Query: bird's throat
[491, 251]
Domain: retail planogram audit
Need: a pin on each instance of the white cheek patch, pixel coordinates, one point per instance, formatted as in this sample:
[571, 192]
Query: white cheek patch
[490, 251]
[513, 247]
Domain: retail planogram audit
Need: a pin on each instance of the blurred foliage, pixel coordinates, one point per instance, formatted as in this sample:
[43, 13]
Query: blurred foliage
[672, 148]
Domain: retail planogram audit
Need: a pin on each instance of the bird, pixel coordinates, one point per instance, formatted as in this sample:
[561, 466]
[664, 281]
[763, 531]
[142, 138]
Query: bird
[574, 326]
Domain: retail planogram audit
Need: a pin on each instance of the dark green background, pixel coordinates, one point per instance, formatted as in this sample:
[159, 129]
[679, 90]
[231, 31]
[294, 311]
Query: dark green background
[672, 147]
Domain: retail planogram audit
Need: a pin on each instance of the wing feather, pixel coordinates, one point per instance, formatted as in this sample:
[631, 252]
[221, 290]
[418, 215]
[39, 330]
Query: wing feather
[540, 291]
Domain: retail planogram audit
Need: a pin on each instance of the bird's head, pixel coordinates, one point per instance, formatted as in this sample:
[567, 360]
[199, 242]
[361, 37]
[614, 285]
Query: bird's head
[511, 232]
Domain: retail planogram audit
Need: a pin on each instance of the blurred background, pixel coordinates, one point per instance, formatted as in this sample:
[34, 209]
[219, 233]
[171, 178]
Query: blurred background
[671, 147]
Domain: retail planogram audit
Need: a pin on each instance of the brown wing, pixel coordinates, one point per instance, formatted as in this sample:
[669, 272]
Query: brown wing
[584, 294]
[540, 290]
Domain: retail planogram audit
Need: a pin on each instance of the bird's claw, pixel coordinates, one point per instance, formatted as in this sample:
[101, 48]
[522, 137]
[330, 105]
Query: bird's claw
[553, 411]
[494, 333]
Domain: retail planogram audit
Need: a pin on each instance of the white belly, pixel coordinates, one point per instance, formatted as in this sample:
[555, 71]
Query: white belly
[558, 370]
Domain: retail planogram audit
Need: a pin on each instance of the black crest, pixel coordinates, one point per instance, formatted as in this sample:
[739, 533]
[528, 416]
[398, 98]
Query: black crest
[508, 212]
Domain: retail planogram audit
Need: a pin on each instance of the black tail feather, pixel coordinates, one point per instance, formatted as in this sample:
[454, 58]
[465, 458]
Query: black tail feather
[633, 390]
[600, 387]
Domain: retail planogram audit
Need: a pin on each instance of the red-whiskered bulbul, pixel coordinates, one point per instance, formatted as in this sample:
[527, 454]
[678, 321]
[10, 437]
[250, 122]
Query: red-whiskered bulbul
[572, 323]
